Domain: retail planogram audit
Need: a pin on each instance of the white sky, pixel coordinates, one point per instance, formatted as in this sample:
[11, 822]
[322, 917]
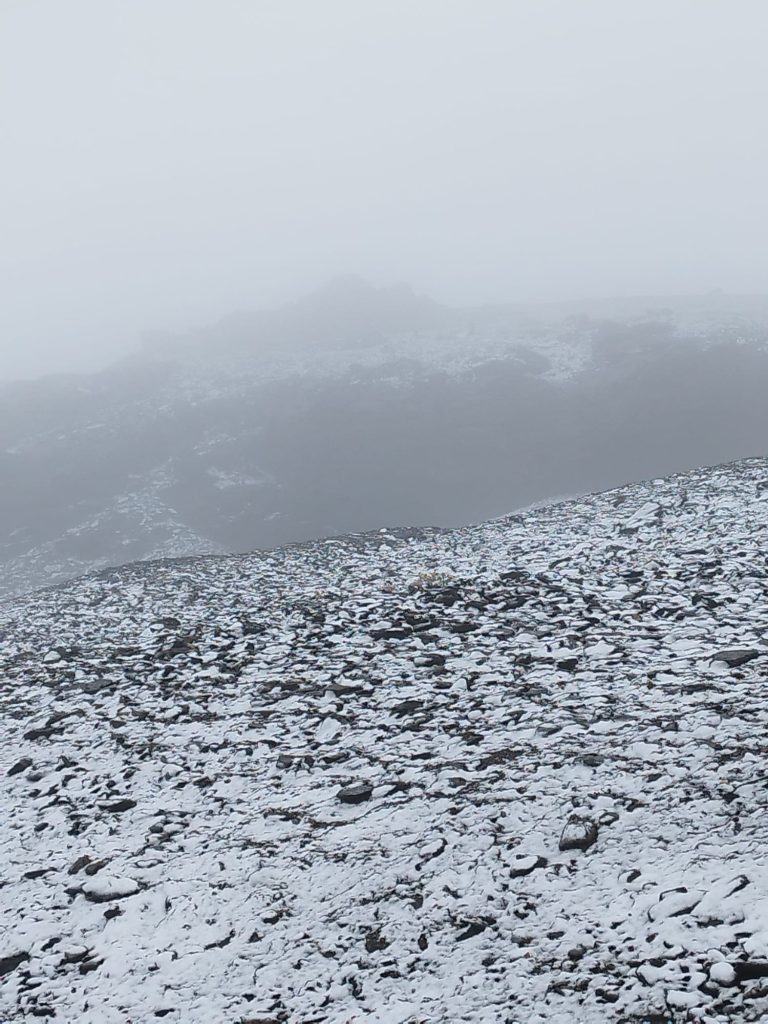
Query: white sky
[167, 161]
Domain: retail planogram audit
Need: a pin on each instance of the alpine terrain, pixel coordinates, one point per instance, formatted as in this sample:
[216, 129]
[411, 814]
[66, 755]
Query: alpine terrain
[504, 774]
[361, 407]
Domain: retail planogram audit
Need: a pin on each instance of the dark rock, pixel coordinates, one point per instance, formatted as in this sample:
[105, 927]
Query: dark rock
[59, 716]
[701, 687]
[604, 996]
[89, 966]
[747, 970]
[735, 656]
[579, 834]
[220, 943]
[336, 757]
[356, 794]
[398, 787]
[118, 806]
[76, 958]
[273, 916]
[461, 627]
[568, 664]
[526, 865]
[431, 659]
[92, 686]
[10, 963]
[344, 689]
[407, 707]
[472, 928]
[592, 760]
[375, 941]
[295, 761]
[94, 866]
[253, 628]
[20, 766]
[42, 734]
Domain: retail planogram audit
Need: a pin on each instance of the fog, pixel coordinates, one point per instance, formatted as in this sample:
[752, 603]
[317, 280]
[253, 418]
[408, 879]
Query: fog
[383, 511]
[542, 223]
[165, 164]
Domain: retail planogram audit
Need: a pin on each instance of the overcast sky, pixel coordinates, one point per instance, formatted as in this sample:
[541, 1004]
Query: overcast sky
[165, 162]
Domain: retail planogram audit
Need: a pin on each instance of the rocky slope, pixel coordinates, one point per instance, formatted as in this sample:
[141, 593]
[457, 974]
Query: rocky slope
[509, 773]
[361, 407]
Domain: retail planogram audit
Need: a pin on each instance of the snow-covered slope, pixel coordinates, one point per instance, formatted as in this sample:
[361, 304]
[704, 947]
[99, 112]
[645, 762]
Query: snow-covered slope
[508, 773]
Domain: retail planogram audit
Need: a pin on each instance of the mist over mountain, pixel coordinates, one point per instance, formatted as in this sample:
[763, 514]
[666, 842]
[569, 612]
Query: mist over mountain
[383, 512]
[358, 407]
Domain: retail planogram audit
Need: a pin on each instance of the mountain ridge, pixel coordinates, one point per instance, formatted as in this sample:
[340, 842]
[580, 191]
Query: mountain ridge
[220, 444]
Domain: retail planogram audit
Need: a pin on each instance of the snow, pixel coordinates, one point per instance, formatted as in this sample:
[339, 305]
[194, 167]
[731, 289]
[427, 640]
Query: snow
[110, 887]
[177, 844]
[722, 973]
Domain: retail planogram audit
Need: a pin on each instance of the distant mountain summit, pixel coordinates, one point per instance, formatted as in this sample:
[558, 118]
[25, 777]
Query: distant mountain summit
[348, 312]
[352, 304]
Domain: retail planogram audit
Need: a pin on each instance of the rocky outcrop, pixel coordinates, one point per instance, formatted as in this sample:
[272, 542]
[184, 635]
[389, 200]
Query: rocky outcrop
[515, 769]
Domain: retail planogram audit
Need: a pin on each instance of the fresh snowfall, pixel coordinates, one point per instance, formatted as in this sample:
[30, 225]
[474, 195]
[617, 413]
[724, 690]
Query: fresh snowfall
[508, 773]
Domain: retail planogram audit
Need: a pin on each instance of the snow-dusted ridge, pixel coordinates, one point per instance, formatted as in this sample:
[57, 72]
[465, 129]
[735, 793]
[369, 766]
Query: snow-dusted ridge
[508, 773]
[362, 406]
